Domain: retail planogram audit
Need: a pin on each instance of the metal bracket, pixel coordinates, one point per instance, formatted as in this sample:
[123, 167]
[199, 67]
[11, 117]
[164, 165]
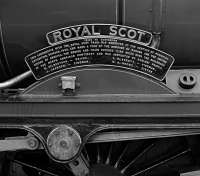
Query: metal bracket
[28, 142]
[157, 21]
[79, 167]
[184, 81]
[69, 85]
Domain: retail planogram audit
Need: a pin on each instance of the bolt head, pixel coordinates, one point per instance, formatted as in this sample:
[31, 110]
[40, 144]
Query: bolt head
[33, 143]
[187, 80]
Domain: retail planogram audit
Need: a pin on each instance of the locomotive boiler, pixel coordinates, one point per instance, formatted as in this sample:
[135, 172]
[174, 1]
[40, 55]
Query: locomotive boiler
[99, 88]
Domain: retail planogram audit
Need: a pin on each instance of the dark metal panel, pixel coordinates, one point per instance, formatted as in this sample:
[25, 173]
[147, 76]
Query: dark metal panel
[138, 13]
[25, 23]
[180, 27]
[181, 36]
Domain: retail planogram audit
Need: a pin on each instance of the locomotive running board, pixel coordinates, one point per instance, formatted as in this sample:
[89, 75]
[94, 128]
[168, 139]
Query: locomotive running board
[106, 109]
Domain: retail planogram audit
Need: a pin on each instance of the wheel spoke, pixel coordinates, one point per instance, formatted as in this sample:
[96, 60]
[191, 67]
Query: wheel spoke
[98, 153]
[33, 167]
[86, 154]
[137, 157]
[120, 156]
[109, 154]
[162, 162]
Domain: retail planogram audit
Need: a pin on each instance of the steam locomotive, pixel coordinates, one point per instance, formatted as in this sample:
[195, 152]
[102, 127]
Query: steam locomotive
[99, 88]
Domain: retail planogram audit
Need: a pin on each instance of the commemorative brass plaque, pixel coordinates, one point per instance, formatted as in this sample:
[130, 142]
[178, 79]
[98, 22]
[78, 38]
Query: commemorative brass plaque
[98, 49]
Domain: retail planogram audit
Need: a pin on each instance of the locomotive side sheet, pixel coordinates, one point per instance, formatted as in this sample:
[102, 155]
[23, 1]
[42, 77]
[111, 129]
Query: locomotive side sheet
[106, 45]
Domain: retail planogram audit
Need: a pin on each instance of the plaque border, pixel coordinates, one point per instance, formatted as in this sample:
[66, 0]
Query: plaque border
[102, 24]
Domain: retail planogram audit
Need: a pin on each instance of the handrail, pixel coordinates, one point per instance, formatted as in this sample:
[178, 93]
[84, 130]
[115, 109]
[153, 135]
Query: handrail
[11, 82]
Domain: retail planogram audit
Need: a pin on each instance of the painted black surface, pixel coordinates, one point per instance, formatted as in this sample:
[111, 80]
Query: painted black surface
[180, 27]
[25, 23]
